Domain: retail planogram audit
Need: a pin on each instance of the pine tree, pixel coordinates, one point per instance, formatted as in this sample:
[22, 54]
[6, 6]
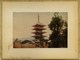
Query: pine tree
[58, 36]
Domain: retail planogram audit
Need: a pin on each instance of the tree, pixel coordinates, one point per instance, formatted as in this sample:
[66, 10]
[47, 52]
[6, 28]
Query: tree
[58, 36]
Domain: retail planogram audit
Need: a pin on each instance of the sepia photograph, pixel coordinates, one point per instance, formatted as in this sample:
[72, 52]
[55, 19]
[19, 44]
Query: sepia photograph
[40, 30]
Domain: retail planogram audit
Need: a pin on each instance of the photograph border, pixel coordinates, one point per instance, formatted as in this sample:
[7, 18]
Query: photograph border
[36, 1]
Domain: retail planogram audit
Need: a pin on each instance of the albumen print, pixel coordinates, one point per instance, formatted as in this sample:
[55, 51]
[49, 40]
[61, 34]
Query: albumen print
[40, 29]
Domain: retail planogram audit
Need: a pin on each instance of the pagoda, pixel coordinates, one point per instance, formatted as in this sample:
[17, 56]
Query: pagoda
[38, 33]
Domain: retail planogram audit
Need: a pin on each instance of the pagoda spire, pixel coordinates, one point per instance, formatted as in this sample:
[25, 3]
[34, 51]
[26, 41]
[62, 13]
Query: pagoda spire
[38, 18]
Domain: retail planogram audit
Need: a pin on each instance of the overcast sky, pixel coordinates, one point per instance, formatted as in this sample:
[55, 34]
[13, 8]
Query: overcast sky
[23, 22]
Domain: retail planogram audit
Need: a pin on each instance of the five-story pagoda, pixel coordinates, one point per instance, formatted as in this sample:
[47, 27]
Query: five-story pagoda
[38, 33]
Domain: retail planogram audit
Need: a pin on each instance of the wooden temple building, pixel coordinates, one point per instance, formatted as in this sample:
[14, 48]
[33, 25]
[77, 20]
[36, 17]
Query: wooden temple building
[39, 34]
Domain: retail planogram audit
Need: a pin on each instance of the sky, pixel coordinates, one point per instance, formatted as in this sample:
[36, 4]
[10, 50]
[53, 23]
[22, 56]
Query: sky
[23, 21]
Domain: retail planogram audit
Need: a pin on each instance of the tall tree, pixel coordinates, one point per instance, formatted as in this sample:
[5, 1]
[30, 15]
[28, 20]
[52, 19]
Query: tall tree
[58, 36]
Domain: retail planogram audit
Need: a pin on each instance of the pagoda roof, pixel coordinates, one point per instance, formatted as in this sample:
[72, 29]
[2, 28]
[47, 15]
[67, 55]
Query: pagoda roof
[39, 25]
[38, 32]
[38, 28]
[38, 36]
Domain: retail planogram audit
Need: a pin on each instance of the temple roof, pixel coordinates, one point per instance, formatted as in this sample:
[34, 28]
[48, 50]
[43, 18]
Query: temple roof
[37, 37]
[38, 25]
[38, 32]
[38, 28]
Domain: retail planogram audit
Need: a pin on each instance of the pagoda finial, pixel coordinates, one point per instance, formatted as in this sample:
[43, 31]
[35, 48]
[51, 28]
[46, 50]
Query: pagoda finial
[38, 18]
